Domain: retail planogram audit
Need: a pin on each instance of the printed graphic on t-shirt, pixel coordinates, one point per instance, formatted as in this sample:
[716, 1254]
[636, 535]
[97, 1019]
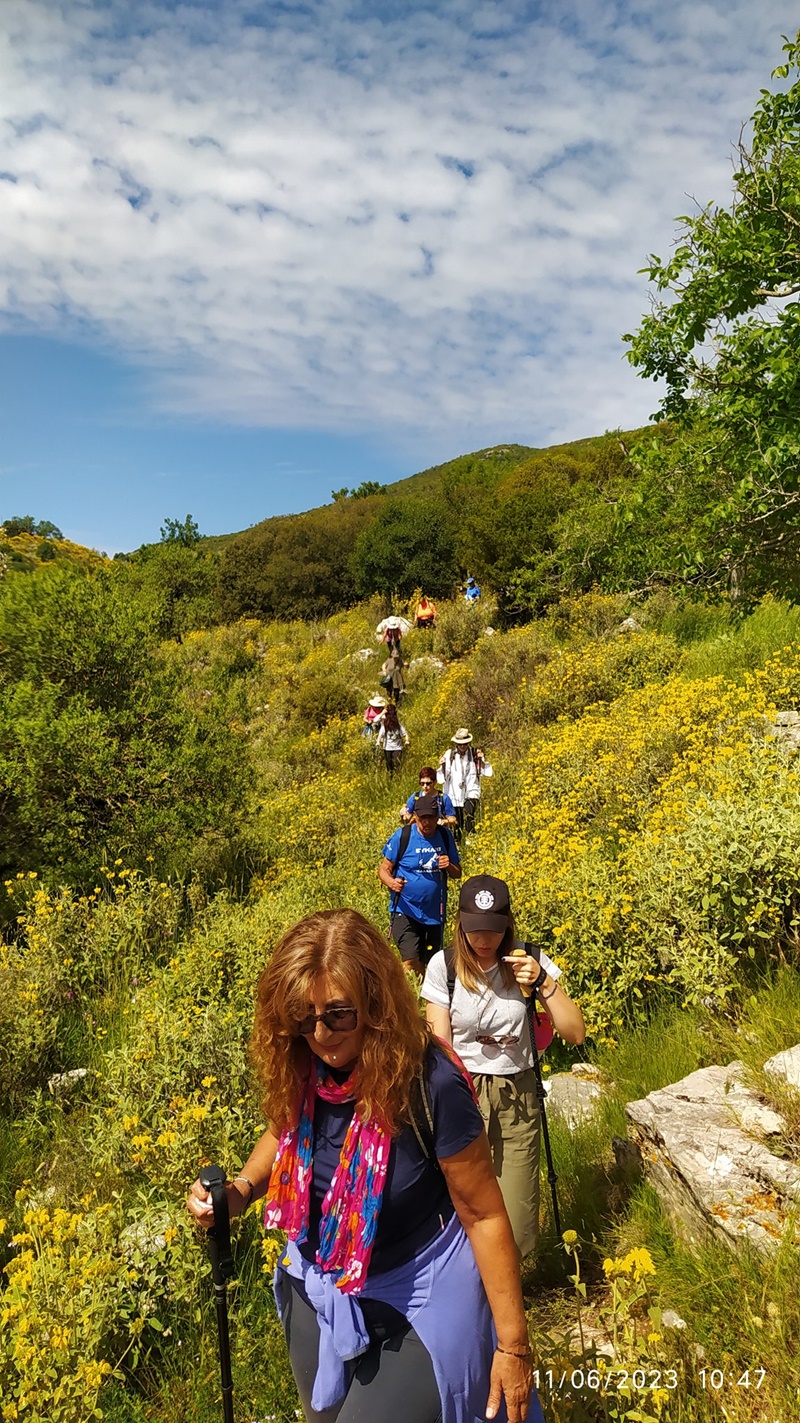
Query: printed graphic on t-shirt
[424, 894]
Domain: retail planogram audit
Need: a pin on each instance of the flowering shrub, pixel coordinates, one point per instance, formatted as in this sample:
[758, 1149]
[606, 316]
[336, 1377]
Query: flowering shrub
[597, 672]
[656, 841]
[83, 1292]
[67, 949]
[619, 1370]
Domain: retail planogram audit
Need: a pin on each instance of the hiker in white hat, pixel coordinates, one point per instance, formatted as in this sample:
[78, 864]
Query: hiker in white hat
[392, 630]
[460, 772]
[373, 714]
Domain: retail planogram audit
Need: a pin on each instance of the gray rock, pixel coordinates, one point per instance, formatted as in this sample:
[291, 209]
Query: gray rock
[700, 1153]
[627, 1156]
[595, 1342]
[427, 660]
[786, 1065]
[587, 1071]
[785, 729]
[145, 1237]
[712, 1004]
[62, 1083]
[570, 1098]
[629, 625]
[363, 654]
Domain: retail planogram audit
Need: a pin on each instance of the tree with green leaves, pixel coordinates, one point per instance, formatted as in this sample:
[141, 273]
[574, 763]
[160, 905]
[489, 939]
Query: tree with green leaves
[176, 582]
[368, 487]
[100, 753]
[409, 544]
[26, 524]
[185, 532]
[724, 336]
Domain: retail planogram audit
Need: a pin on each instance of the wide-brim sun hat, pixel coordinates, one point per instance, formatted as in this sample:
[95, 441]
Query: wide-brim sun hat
[462, 737]
[377, 701]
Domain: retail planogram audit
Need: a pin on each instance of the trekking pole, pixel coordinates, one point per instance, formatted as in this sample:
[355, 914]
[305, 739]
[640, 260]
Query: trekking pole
[222, 1268]
[551, 1173]
[443, 901]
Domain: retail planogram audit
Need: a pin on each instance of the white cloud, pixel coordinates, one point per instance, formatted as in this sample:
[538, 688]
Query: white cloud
[429, 223]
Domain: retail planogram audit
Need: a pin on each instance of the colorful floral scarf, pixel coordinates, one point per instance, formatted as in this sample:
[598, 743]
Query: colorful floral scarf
[350, 1208]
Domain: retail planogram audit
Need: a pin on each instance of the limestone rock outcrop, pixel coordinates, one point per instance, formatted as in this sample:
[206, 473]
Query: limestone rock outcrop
[705, 1146]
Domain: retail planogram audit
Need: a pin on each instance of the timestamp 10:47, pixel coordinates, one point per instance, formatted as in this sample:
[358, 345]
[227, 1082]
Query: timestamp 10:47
[718, 1378]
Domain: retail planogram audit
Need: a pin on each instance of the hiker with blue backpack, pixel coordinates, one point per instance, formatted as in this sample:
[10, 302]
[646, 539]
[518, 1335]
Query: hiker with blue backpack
[427, 786]
[418, 860]
[480, 995]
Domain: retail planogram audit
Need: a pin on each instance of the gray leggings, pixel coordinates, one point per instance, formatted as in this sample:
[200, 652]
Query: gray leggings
[393, 1382]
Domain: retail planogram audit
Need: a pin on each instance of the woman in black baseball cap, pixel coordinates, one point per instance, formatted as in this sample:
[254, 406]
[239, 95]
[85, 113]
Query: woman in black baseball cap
[476, 994]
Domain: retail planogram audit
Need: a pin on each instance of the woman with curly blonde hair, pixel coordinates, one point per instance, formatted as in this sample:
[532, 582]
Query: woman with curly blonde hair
[399, 1291]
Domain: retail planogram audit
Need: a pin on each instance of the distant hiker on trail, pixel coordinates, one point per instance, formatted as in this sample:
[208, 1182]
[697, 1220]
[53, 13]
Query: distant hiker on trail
[392, 739]
[417, 862]
[425, 615]
[373, 715]
[459, 774]
[427, 786]
[392, 675]
[472, 593]
[391, 631]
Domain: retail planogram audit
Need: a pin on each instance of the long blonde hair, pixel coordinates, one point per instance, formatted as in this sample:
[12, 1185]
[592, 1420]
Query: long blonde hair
[364, 969]
[467, 965]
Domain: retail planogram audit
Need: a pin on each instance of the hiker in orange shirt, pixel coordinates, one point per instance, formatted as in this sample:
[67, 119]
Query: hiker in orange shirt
[425, 615]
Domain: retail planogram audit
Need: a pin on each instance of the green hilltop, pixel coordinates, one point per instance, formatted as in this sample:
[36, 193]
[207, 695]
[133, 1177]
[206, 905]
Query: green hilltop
[515, 518]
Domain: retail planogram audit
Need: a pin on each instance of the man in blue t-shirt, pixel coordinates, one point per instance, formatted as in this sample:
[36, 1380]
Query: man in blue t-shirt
[418, 882]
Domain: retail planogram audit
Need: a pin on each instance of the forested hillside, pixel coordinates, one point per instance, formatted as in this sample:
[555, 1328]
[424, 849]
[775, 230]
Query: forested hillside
[183, 774]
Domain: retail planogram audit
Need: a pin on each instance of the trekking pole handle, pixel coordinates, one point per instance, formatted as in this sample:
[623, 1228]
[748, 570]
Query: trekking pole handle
[219, 1235]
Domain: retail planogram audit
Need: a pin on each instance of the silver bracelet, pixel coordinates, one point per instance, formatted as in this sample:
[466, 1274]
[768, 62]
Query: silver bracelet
[247, 1182]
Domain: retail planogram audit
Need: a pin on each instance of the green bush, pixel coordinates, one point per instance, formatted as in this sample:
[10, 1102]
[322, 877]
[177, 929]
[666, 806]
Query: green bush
[459, 625]
[100, 753]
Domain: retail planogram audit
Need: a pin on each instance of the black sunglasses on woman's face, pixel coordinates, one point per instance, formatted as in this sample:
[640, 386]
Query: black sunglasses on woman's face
[336, 1020]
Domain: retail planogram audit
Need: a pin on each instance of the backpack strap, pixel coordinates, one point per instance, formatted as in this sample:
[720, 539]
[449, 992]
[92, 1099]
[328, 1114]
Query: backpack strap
[450, 965]
[449, 842]
[422, 1119]
[405, 836]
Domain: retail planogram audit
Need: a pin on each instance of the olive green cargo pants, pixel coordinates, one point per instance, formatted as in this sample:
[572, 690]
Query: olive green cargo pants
[510, 1109]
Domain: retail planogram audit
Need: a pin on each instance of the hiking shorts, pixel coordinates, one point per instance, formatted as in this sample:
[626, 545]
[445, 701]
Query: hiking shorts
[415, 940]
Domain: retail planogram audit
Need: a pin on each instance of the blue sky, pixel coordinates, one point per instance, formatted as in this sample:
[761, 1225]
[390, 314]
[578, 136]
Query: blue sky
[255, 251]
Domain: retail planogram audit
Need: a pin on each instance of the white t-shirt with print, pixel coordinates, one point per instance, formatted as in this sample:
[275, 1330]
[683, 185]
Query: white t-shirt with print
[494, 1010]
